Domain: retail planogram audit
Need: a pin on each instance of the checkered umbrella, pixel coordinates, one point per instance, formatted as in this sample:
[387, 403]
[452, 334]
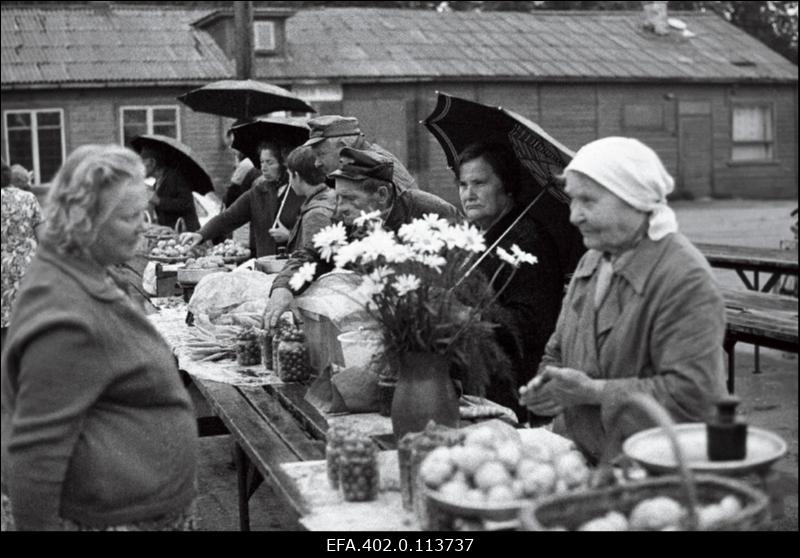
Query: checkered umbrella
[242, 99]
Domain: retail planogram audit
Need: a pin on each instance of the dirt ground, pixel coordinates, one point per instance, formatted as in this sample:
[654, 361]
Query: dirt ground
[769, 398]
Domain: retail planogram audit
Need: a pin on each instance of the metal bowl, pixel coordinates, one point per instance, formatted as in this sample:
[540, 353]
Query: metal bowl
[651, 449]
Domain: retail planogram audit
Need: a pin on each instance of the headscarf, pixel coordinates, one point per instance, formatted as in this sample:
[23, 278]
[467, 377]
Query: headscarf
[633, 172]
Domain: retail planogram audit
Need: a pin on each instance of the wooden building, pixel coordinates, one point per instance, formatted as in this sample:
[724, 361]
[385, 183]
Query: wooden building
[717, 105]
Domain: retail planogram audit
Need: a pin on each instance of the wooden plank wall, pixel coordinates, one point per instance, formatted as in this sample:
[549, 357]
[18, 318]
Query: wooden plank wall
[579, 113]
[390, 114]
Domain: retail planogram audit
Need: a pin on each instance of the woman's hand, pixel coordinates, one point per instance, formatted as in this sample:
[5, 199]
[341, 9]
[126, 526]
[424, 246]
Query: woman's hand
[538, 399]
[279, 233]
[190, 238]
[279, 302]
[570, 387]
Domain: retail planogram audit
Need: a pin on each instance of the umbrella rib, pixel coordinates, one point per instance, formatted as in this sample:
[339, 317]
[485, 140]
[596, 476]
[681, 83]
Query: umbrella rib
[500, 238]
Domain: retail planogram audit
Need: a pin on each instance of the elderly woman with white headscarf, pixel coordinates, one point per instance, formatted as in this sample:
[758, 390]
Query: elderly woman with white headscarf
[100, 432]
[642, 313]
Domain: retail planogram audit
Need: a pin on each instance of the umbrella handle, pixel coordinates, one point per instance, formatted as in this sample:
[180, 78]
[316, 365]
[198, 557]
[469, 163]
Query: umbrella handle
[280, 209]
[501, 237]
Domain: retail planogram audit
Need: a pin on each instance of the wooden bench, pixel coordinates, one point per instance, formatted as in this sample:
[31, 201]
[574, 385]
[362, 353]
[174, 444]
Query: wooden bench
[761, 319]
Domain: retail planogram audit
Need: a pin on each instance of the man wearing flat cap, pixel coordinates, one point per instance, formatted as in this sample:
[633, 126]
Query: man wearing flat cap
[365, 183]
[330, 133]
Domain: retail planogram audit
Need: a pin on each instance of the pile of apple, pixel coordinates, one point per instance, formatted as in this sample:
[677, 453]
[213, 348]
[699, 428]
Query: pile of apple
[172, 248]
[487, 469]
[662, 513]
[230, 249]
[205, 262]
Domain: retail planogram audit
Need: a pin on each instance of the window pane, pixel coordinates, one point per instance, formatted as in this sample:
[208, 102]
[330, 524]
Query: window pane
[18, 120]
[164, 115]
[264, 34]
[134, 116]
[131, 131]
[166, 130]
[750, 124]
[20, 148]
[49, 153]
[48, 119]
[753, 152]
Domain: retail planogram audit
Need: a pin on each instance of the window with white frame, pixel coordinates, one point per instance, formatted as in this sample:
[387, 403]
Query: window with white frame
[136, 121]
[264, 36]
[35, 140]
[753, 136]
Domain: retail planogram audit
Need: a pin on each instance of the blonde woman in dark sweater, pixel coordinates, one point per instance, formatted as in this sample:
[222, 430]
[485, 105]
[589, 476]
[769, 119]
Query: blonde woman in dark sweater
[101, 434]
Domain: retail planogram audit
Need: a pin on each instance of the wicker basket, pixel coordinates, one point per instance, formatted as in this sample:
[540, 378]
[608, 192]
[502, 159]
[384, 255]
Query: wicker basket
[572, 510]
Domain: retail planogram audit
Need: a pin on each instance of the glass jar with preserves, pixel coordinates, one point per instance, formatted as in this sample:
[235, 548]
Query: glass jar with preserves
[248, 348]
[293, 362]
[359, 476]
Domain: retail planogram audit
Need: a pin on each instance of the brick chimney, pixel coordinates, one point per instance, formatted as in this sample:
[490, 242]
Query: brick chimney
[655, 17]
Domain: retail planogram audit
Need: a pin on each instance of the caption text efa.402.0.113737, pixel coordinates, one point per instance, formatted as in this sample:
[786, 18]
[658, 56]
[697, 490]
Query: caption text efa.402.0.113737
[399, 544]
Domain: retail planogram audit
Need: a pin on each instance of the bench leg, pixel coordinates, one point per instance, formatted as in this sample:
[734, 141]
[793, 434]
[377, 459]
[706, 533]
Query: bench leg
[242, 466]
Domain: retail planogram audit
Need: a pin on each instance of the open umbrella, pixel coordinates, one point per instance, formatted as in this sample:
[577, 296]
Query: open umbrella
[456, 123]
[287, 131]
[243, 99]
[179, 154]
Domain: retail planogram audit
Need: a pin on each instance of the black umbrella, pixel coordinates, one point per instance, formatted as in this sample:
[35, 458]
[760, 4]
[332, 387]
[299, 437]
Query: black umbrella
[456, 123]
[286, 131]
[243, 99]
[179, 154]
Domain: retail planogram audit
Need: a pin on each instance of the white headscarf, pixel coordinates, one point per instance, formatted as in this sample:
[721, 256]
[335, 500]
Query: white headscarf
[633, 172]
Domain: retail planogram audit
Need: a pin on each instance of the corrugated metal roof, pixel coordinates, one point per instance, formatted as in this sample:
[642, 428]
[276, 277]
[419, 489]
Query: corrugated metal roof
[538, 45]
[129, 44]
[108, 44]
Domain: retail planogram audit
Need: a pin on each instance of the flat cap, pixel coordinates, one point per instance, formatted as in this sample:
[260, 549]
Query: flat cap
[362, 164]
[331, 126]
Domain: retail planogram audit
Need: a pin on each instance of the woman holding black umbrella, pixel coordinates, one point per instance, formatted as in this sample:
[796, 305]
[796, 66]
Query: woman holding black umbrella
[489, 182]
[172, 197]
[268, 203]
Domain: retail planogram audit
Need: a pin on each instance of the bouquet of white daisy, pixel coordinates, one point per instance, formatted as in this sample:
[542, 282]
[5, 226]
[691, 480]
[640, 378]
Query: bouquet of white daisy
[418, 287]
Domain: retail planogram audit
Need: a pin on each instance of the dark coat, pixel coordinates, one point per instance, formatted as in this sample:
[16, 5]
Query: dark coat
[259, 207]
[529, 305]
[175, 200]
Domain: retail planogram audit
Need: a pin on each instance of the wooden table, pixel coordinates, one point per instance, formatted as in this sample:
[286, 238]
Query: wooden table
[761, 319]
[744, 259]
[271, 422]
[755, 260]
[280, 436]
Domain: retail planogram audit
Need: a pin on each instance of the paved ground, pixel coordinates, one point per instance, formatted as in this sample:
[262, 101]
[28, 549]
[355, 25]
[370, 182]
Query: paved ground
[769, 399]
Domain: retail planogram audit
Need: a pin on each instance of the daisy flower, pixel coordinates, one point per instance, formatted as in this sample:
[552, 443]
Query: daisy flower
[364, 218]
[329, 239]
[522, 256]
[302, 276]
[504, 255]
[406, 283]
